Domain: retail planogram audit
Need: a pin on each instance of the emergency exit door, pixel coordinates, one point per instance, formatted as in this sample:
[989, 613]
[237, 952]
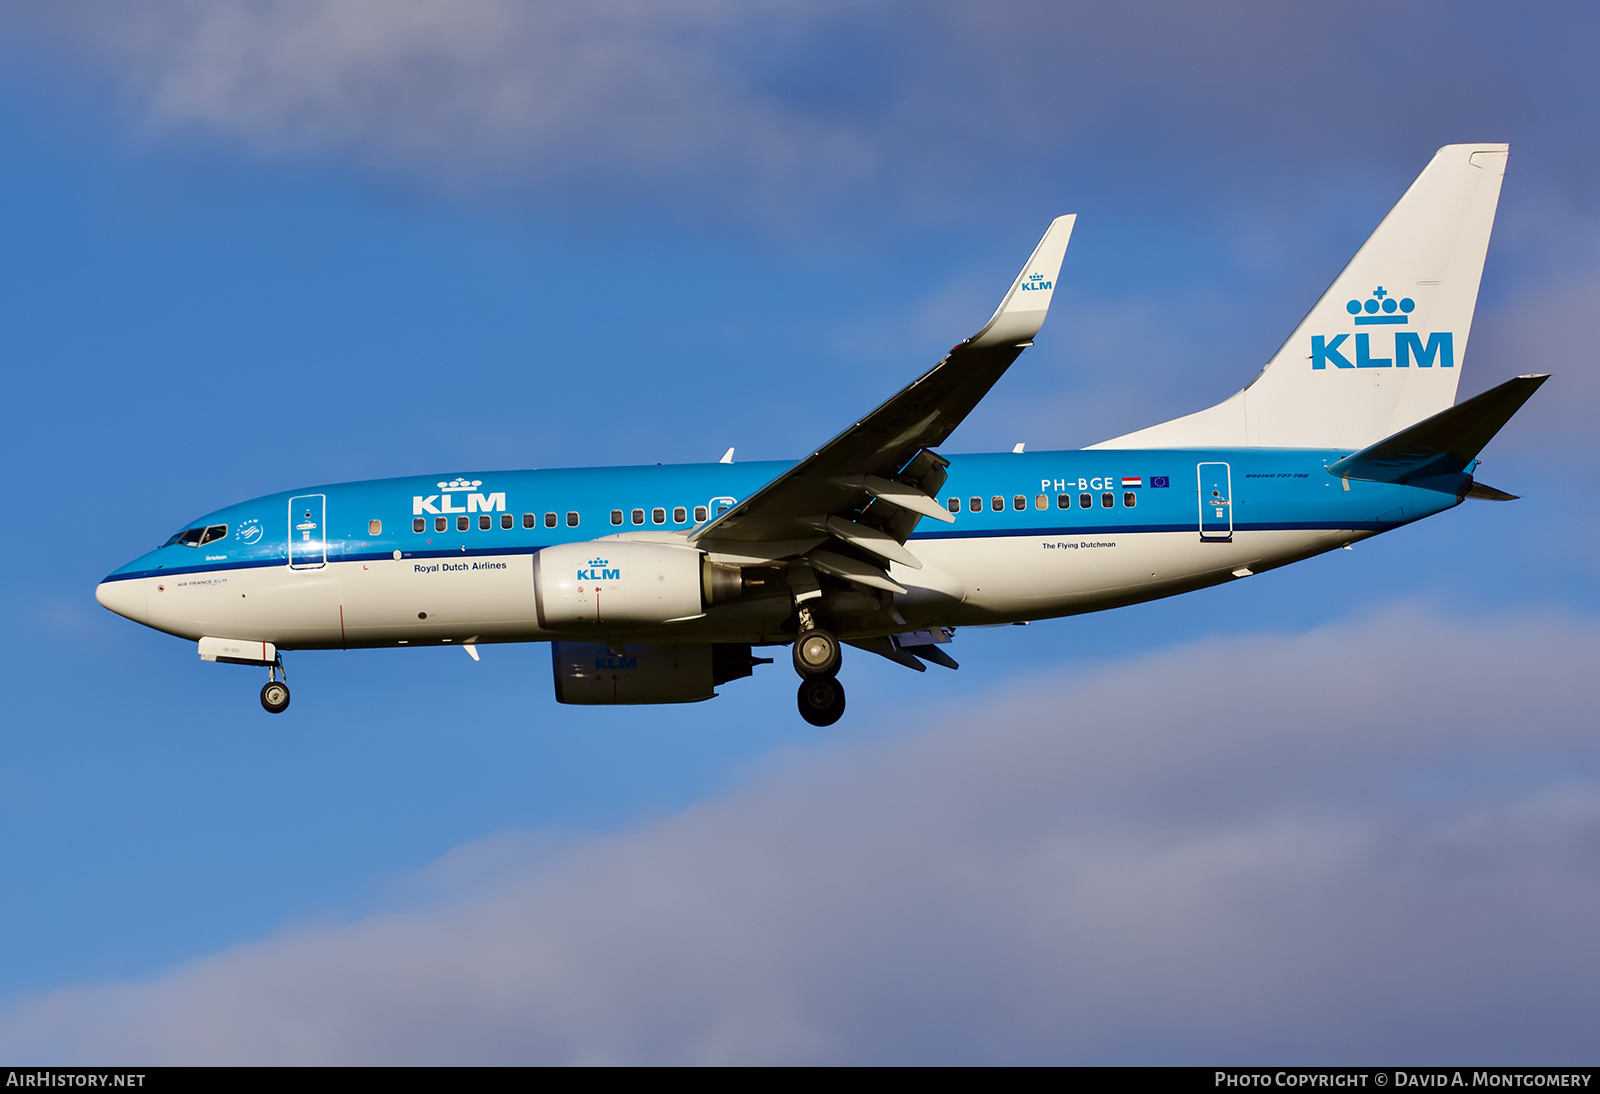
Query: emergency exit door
[1216, 501]
[308, 541]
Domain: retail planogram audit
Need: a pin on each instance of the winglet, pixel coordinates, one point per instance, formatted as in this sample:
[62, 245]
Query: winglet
[1022, 312]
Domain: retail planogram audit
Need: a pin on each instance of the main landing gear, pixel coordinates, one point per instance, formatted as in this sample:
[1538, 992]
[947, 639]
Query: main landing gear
[275, 693]
[816, 659]
[821, 700]
[816, 653]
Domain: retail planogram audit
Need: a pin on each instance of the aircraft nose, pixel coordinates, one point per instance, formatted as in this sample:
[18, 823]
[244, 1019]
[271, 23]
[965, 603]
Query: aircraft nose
[126, 598]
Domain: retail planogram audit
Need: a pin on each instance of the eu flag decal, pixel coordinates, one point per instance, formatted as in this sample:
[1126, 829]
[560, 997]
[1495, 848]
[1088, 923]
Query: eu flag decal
[1158, 481]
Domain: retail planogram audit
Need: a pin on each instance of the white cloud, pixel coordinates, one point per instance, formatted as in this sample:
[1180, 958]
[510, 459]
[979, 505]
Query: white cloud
[1373, 841]
[779, 102]
[464, 92]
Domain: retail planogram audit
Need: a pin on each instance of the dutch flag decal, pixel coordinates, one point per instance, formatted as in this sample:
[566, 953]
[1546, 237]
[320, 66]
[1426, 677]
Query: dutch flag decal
[1131, 484]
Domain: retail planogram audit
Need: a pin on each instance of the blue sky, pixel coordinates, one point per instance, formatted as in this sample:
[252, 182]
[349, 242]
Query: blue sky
[248, 247]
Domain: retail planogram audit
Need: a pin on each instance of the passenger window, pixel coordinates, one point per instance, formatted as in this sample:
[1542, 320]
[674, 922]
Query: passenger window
[549, 520]
[440, 523]
[1063, 501]
[658, 516]
[954, 505]
[721, 509]
[1085, 501]
[638, 516]
[680, 515]
[505, 520]
[419, 524]
[461, 524]
[975, 504]
[699, 514]
[616, 516]
[1019, 502]
[572, 520]
[484, 523]
[1130, 499]
[1106, 500]
[997, 503]
[374, 527]
[529, 520]
[1041, 502]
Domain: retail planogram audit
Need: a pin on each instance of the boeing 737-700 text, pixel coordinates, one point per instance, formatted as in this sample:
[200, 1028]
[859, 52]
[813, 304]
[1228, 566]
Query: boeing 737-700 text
[656, 584]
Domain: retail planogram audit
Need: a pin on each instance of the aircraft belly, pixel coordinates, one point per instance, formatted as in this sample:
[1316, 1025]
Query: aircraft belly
[1033, 577]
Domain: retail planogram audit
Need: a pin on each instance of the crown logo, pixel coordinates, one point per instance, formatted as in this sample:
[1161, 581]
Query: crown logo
[1380, 309]
[1036, 277]
[461, 484]
[599, 562]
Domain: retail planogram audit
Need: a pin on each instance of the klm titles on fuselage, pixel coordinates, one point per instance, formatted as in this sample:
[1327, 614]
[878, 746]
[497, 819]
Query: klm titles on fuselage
[476, 502]
[1382, 309]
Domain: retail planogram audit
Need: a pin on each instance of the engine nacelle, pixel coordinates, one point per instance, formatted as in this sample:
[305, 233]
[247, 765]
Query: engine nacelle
[589, 673]
[580, 586]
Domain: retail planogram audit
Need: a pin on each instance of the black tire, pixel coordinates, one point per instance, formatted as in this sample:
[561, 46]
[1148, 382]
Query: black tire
[816, 653]
[275, 697]
[821, 700]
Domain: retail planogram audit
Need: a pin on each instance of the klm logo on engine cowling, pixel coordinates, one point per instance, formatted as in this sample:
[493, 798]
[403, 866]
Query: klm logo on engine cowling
[597, 571]
[1406, 349]
[450, 491]
[1035, 282]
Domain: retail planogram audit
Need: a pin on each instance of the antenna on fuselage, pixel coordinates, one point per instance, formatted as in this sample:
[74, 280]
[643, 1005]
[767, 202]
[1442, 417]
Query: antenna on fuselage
[727, 457]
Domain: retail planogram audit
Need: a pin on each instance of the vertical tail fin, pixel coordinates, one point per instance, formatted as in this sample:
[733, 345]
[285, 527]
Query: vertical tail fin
[1382, 349]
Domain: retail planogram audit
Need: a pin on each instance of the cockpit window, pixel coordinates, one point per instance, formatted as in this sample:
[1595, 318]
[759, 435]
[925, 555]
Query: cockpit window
[215, 532]
[189, 537]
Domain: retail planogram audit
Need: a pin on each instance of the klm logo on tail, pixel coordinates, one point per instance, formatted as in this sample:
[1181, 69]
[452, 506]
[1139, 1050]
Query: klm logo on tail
[1035, 282]
[1382, 309]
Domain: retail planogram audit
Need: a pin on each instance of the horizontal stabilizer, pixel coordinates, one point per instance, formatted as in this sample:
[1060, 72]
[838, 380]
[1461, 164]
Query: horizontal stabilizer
[1489, 493]
[1443, 444]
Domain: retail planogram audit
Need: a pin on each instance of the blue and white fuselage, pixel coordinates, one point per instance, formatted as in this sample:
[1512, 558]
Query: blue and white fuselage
[1035, 535]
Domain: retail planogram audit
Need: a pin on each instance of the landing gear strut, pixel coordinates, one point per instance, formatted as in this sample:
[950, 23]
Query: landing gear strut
[275, 693]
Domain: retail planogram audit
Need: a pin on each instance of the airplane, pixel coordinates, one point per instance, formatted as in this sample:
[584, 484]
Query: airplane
[657, 584]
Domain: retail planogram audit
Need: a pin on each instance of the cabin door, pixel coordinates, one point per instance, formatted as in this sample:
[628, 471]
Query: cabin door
[1216, 501]
[308, 541]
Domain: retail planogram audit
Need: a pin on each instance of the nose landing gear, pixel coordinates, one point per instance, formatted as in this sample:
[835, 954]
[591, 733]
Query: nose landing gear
[275, 693]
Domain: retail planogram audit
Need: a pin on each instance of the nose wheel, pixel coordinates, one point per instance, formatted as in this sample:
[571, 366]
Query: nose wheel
[275, 697]
[275, 693]
[821, 700]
